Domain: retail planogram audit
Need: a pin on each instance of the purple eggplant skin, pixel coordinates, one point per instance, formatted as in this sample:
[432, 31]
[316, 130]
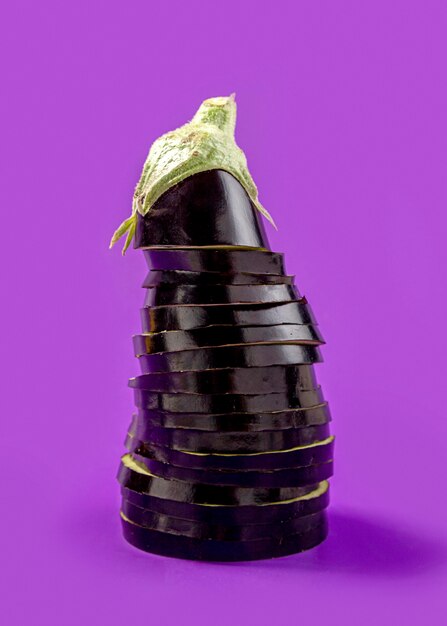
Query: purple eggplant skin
[253, 355]
[218, 532]
[178, 340]
[225, 261]
[206, 209]
[165, 544]
[300, 456]
[317, 499]
[190, 317]
[181, 277]
[227, 443]
[202, 493]
[293, 477]
[225, 402]
[239, 423]
[249, 381]
[219, 294]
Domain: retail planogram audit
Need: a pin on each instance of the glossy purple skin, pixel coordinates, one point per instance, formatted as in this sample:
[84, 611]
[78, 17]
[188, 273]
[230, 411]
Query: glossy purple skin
[203, 493]
[267, 461]
[179, 317]
[226, 442]
[230, 356]
[194, 549]
[220, 260]
[244, 424]
[219, 294]
[292, 477]
[249, 381]
[231, 515]
[177, 340]
[207, 209]
[218, 532]
[226, 402]
[181, 277]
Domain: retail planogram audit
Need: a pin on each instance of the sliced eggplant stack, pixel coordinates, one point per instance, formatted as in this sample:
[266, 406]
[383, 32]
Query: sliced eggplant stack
[230, 450]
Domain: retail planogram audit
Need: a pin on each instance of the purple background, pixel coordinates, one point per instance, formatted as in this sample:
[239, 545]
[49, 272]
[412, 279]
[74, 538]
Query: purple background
[342, 114]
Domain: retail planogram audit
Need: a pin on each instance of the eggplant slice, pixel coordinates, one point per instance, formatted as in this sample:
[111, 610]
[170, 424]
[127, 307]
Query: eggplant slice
[226, 403]
[239, 422]
[253, 355]
[299, 456]
[249, 381]
[189, 317]
[315, 499]
[218, 532]
[135, 475]
[219, 294]
[166, 544]
[226, 443]
[178, 340]
[225, 260]
[293, 477]
[181, 277]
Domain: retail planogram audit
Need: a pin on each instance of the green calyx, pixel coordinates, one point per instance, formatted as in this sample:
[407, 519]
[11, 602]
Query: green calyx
[205, 143]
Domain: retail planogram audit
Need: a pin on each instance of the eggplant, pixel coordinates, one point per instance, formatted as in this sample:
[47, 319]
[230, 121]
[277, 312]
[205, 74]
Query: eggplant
[134, 475]
[189, 317]
[178, 340]
[218, 532]
[210, 208]
[293, 477]
[253, 355]
[230, 451]
[315, 499]
[165, 544]
[219, 294]
[225, 402]
[226, 261]
[299, 456]
[227, 443]
[250, 380]
[180, 277]
[239, 422]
